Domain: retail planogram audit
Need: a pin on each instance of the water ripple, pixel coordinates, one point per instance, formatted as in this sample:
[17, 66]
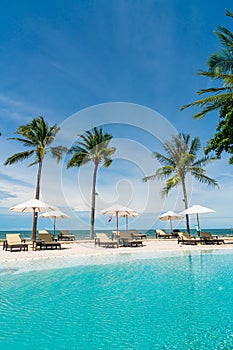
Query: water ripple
[178, 302]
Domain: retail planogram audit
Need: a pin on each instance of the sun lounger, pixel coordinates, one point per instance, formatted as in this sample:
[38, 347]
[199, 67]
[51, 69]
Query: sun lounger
[162, 234]
[136, 234]
[175, 233]
[66, 236]
[127, 240]
[102, 239]
[209, 239]
[47, 240]
[14, 242]
[185, 238]
[115, 234]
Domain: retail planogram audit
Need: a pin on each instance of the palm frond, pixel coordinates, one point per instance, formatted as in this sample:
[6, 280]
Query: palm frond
[92, 145]
[213, 75]
[164, 172]
[78, 160]
[18, 157]
[163, 159]
[226, 78]
[37, 161]
[212, 90]
[225, 36]
[58, 152]
[184, 137]
[107, 162]
[147, 178]
[204, 161]
[108, 152]
[26, 142]
[228, 13]
[205, 179]
[210, 103]
[195, 146]
[222, 62]
[180, 159]
[170, 184]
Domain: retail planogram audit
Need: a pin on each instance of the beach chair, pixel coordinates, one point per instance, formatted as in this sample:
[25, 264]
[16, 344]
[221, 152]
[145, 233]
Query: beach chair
[127, 240]
[115, 235]
[47, 240]
[136, 234]
[209, 239]
[162, 234]
[185, 238]
[14, 242]
[102, 239]
[66, 236]
[175, 233]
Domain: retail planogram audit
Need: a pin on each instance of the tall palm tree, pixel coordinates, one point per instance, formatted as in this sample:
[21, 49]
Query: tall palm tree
[37, 136]
[92, 147]
[220, 68]
[181, 159]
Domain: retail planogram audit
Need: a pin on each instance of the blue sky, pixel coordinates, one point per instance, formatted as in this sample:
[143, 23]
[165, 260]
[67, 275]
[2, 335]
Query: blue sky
[111, 63]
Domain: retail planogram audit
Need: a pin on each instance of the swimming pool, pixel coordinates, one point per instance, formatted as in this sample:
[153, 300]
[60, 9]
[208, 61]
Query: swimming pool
[181, 301]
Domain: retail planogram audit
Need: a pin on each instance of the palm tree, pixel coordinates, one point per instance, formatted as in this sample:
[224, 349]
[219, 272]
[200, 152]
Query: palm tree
[92, 147]
[180, 160]
[37, 136]
[222, 62]
[220, 68]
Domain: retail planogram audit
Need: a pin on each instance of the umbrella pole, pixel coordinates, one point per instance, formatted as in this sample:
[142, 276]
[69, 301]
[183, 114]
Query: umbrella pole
[54, 226]
[171, 224]
[126, 218]
[198, 224]
[34, 224]
[117, 223]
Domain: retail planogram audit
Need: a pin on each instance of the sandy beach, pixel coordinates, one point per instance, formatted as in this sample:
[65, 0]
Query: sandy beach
[85, 252]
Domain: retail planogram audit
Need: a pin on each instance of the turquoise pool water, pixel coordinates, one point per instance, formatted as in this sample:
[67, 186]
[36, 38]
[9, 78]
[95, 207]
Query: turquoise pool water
[173, 302]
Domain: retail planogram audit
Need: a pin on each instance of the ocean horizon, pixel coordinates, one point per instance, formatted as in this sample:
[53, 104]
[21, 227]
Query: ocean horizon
[85, 234]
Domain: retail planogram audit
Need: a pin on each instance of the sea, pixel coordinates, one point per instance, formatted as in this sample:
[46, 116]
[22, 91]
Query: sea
[85, 234]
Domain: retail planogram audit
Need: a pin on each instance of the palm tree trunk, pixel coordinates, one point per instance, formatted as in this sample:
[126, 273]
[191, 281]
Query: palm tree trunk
[93, 201]
[185, 202]
[37, 196]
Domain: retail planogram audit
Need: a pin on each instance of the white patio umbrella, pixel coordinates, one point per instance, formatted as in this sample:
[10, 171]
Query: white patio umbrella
[56, 214]
[118, 210]
[198, 209]
[35, 206]
[171, 215]
[130, 213]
